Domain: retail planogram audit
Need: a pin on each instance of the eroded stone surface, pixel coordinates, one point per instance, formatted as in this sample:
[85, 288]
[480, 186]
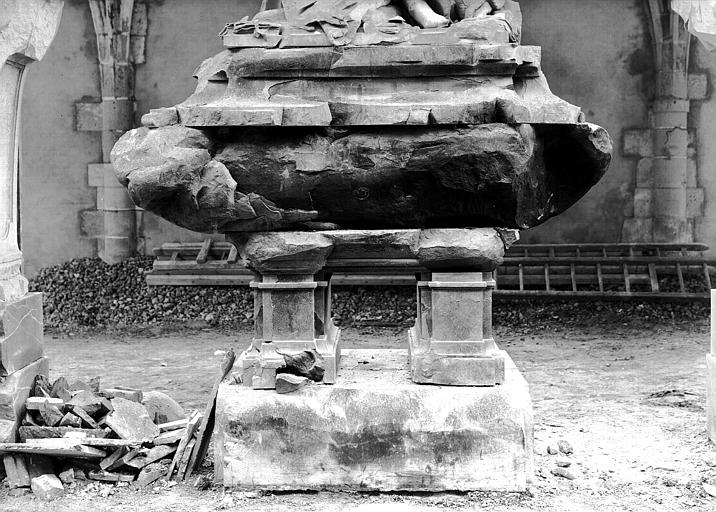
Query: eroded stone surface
[22, 332]
[14, 390]
[260, 180]
[375, 430]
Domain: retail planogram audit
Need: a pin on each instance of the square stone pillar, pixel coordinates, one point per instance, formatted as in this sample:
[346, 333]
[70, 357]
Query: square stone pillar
[452, 343]
[26, 30]
[292, 305]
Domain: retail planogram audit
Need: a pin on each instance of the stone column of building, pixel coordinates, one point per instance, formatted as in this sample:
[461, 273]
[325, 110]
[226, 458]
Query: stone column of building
[120, 27]
[667, 198]
[26, 29]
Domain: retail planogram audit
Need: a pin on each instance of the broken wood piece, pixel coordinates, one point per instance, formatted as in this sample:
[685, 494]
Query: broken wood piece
[183, 471]
[191, 427]
[101, 442]
[86, 418]
[288, 383]
[69, 451]
[130, 420]
[151, 456]
[173, 425]
[126, 456]
[35, 403]
[104, 476]
[134, 395]
[33, 432]
[108, 463]
[17, 474]
[170, 437]
[207, 425]
[150, 474]
[70, 420]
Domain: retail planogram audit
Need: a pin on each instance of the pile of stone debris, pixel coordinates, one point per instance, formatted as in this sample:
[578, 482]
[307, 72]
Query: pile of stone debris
[79, 432]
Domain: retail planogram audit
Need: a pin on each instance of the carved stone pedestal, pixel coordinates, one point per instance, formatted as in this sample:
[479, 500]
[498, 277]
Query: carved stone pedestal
[452, 341]
[292, 304]
[375, 430]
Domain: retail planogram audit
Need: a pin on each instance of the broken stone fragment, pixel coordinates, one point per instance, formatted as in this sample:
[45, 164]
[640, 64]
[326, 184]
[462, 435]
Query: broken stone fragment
[308, 363]
[130, 420]
[288, 383]
[515, 176]
[90, 403]
[47, 487]
[162, 408]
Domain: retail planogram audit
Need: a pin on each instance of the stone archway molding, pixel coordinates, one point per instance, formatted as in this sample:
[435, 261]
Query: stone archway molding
[27, 27]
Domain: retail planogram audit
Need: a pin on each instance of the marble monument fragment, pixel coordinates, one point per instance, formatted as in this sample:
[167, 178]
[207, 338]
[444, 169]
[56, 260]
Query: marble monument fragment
[346, 135]
[297, 126]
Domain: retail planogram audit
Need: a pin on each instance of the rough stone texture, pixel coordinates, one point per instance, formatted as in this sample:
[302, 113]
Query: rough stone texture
[131, 420]
[374, 430]
[47, 487]
[477, 249]
[162, 408]
[260, 180]
[14, 390]
[22, 332]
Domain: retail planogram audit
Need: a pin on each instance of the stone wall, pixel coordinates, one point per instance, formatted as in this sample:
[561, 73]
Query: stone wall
[596, 54]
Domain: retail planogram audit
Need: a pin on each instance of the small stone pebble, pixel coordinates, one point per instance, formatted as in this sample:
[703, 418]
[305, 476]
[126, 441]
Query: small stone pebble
[565, 447]
[564, 473]
[552, 450]
[68, 476]
[563, 463]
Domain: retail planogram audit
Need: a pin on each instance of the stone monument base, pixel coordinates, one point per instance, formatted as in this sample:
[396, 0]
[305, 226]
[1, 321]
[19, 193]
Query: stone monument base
[375, 430]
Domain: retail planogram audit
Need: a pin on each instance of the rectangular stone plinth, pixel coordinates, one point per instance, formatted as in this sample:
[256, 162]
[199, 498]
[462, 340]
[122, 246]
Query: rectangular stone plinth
[451, 370]
[14, 390]
[20, 332]
[376, 430]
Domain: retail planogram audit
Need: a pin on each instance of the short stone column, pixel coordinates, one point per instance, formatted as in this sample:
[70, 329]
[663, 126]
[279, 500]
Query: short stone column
[452, 341]
[26, 30]
[292, 305]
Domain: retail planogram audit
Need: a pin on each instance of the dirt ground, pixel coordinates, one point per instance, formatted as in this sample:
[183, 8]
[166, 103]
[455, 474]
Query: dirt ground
[630, 402]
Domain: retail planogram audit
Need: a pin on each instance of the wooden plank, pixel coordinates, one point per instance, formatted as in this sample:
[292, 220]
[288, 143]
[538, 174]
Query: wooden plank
[204, 251]
[546, 277]
[653, 278]
[680, 275]
[191, 427]
[573, 276]
[233, 255]
[207, 425]
[594, 295]
[522, 277]
[71, 450]
[627, 282]
[600, 277]
[707, 276]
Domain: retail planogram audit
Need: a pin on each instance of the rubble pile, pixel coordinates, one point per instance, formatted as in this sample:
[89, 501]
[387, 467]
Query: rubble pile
[81, 432]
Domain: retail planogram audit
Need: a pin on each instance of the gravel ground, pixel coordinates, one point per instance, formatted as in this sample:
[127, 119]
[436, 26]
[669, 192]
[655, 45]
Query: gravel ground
[87, 294]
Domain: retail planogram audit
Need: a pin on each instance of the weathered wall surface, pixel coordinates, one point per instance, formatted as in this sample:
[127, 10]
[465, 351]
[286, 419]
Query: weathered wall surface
[703, 119]
[596, 53]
